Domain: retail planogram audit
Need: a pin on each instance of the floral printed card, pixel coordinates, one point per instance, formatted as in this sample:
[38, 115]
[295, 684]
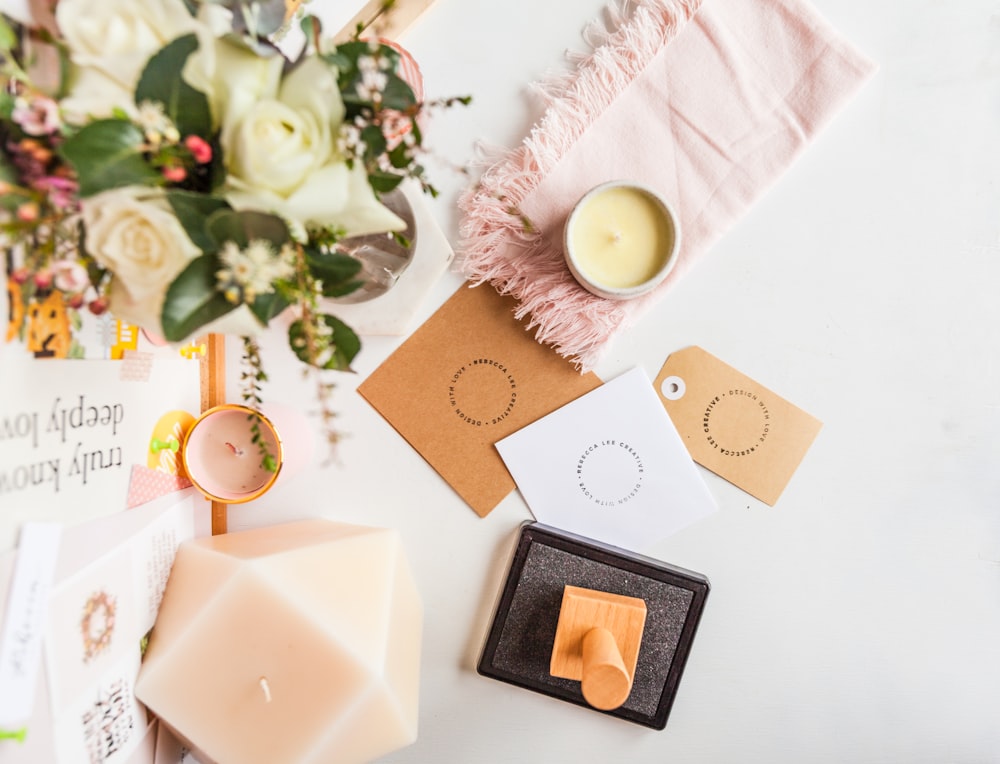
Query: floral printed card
[110, 578]
[43, 325]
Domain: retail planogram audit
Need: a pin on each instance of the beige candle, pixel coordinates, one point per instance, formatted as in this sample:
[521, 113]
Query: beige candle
[620, 240]
[292, 643]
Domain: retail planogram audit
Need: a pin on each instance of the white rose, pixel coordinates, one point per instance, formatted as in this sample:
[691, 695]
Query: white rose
[109, 45]
[279, 141]
[133, 233]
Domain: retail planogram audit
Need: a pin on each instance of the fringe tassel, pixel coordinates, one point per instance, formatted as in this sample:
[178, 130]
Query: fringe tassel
[497, 246]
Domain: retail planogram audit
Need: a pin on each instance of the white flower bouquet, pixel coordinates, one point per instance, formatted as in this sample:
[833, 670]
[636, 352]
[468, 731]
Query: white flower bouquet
[166, 161]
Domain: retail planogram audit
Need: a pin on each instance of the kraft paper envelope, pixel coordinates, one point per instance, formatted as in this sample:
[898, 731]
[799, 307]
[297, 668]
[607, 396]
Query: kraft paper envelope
[469, 376]
[610, 466]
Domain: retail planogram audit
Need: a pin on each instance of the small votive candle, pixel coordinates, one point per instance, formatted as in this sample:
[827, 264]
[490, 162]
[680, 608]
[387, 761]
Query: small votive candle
[621, 240]
[221, 459]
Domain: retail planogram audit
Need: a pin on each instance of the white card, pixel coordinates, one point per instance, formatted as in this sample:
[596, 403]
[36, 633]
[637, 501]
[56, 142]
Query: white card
[609, 466]
[24, 621]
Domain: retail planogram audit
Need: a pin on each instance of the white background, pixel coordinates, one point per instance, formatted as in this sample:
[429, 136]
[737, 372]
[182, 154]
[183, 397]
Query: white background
[859, 619]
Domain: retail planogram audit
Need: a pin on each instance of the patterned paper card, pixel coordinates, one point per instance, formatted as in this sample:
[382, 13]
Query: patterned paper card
[733, 425]
[465, 379]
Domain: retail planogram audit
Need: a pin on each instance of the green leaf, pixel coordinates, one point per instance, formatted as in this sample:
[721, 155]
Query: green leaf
[8, 37]
[342, 289]
[397, 94]
[383, 182]
[344, 345]
[6, 105]
[267, 306]
[338, 61]
[193, 210]
[242, 227]
[192, 300]
[399, 157]
[8, 174]
[311, 27]
[375, 144]
[107, 154]
[161, 82]
[258, 19]
[332, 268]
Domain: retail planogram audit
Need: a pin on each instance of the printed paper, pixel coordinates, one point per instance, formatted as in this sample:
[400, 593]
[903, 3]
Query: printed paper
[467, 377]
[609, 466]
[71, 431]
[110, 577]
[733, 425]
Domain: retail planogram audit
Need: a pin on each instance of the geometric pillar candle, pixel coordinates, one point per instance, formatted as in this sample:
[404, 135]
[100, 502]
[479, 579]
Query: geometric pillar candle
[291, 643]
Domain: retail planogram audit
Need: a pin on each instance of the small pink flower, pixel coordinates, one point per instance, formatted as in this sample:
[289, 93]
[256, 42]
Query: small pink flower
[174, 173]
[28, 212]
[199, 149]
[69, 276]
[37, 116]
[61, 191]
[43, 279]
[20, 275]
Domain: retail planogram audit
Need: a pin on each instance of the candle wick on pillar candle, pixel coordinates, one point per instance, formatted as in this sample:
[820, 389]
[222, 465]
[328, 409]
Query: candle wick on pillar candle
[234, 449]
[266, 687]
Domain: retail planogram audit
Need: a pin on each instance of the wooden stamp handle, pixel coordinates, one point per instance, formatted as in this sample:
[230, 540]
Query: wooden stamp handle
[606, 683]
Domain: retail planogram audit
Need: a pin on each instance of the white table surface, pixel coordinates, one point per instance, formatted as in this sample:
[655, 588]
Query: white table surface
[858, 619]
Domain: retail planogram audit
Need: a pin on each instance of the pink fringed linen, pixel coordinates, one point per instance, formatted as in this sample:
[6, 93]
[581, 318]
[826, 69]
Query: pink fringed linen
[708, 103]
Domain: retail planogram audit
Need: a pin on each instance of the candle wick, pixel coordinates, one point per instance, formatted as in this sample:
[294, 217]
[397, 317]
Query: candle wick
[616, 236]
[235, 449]
[266, 688]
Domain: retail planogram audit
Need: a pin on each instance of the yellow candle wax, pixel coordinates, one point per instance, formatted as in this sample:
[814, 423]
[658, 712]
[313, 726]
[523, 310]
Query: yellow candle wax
[620, 238]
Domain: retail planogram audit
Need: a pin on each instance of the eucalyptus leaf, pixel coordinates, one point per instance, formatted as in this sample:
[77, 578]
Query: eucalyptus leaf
[267, 306]
[383, 182]
[343, 345]
[374, 140]
[192, 211]
[192, 300]
[107, 154]
[399, 157]
[332, 268]
[161, 82]
[397, 94]
[343, 288]
[244, 226]
[310, 25]
[257, 18]
[338, 61]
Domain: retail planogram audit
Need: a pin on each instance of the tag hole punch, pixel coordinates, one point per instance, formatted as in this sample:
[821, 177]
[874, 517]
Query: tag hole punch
[672, 388]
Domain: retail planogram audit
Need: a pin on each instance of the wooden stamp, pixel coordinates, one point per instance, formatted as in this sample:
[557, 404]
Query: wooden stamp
[594, 625]
[597, 643]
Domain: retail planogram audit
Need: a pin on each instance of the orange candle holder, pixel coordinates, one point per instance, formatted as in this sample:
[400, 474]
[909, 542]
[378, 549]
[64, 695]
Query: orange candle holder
[222, 461]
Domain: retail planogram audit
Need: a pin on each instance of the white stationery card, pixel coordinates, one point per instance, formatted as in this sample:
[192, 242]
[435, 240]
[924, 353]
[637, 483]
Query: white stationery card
[610, 466]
